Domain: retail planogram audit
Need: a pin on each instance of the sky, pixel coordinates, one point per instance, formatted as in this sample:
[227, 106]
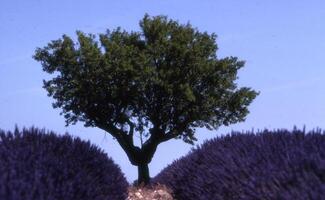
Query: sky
[282, 42]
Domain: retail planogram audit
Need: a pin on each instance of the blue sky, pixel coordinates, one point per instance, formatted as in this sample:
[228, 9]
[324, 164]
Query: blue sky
[282, 42]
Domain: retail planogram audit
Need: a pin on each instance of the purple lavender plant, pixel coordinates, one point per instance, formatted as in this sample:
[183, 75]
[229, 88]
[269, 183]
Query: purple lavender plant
[266, 165]
[40, 165]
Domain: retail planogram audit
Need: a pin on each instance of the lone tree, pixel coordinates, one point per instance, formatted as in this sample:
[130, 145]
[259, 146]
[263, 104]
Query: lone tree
[160, 83]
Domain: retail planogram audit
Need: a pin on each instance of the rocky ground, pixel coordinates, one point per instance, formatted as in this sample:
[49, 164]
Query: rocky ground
[158, 192]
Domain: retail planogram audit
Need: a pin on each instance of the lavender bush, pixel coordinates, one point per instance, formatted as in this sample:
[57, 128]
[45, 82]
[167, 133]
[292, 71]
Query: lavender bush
[40, 165]
[266, 165]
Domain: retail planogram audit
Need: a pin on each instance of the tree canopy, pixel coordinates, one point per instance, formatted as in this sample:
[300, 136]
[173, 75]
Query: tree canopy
[158, 83]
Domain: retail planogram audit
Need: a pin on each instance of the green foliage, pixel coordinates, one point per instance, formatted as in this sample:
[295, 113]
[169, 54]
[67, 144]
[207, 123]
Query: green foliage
[160, 83]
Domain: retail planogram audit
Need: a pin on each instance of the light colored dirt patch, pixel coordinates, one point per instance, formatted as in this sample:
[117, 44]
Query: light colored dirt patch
[157, 192]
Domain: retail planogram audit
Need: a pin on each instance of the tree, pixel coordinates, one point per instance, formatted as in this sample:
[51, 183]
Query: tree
[156, 84]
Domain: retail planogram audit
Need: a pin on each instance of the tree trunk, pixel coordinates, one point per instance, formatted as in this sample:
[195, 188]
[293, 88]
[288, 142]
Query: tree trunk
[143, 174]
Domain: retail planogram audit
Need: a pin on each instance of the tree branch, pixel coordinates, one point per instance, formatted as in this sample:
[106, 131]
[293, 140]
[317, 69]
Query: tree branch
[177, 131]
[125, 140]
[131, 131]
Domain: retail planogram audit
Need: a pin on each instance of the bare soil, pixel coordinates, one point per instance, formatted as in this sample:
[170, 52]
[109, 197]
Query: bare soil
[157, 192]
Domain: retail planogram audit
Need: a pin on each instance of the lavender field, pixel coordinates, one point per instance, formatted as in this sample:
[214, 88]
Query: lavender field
[38, 164]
